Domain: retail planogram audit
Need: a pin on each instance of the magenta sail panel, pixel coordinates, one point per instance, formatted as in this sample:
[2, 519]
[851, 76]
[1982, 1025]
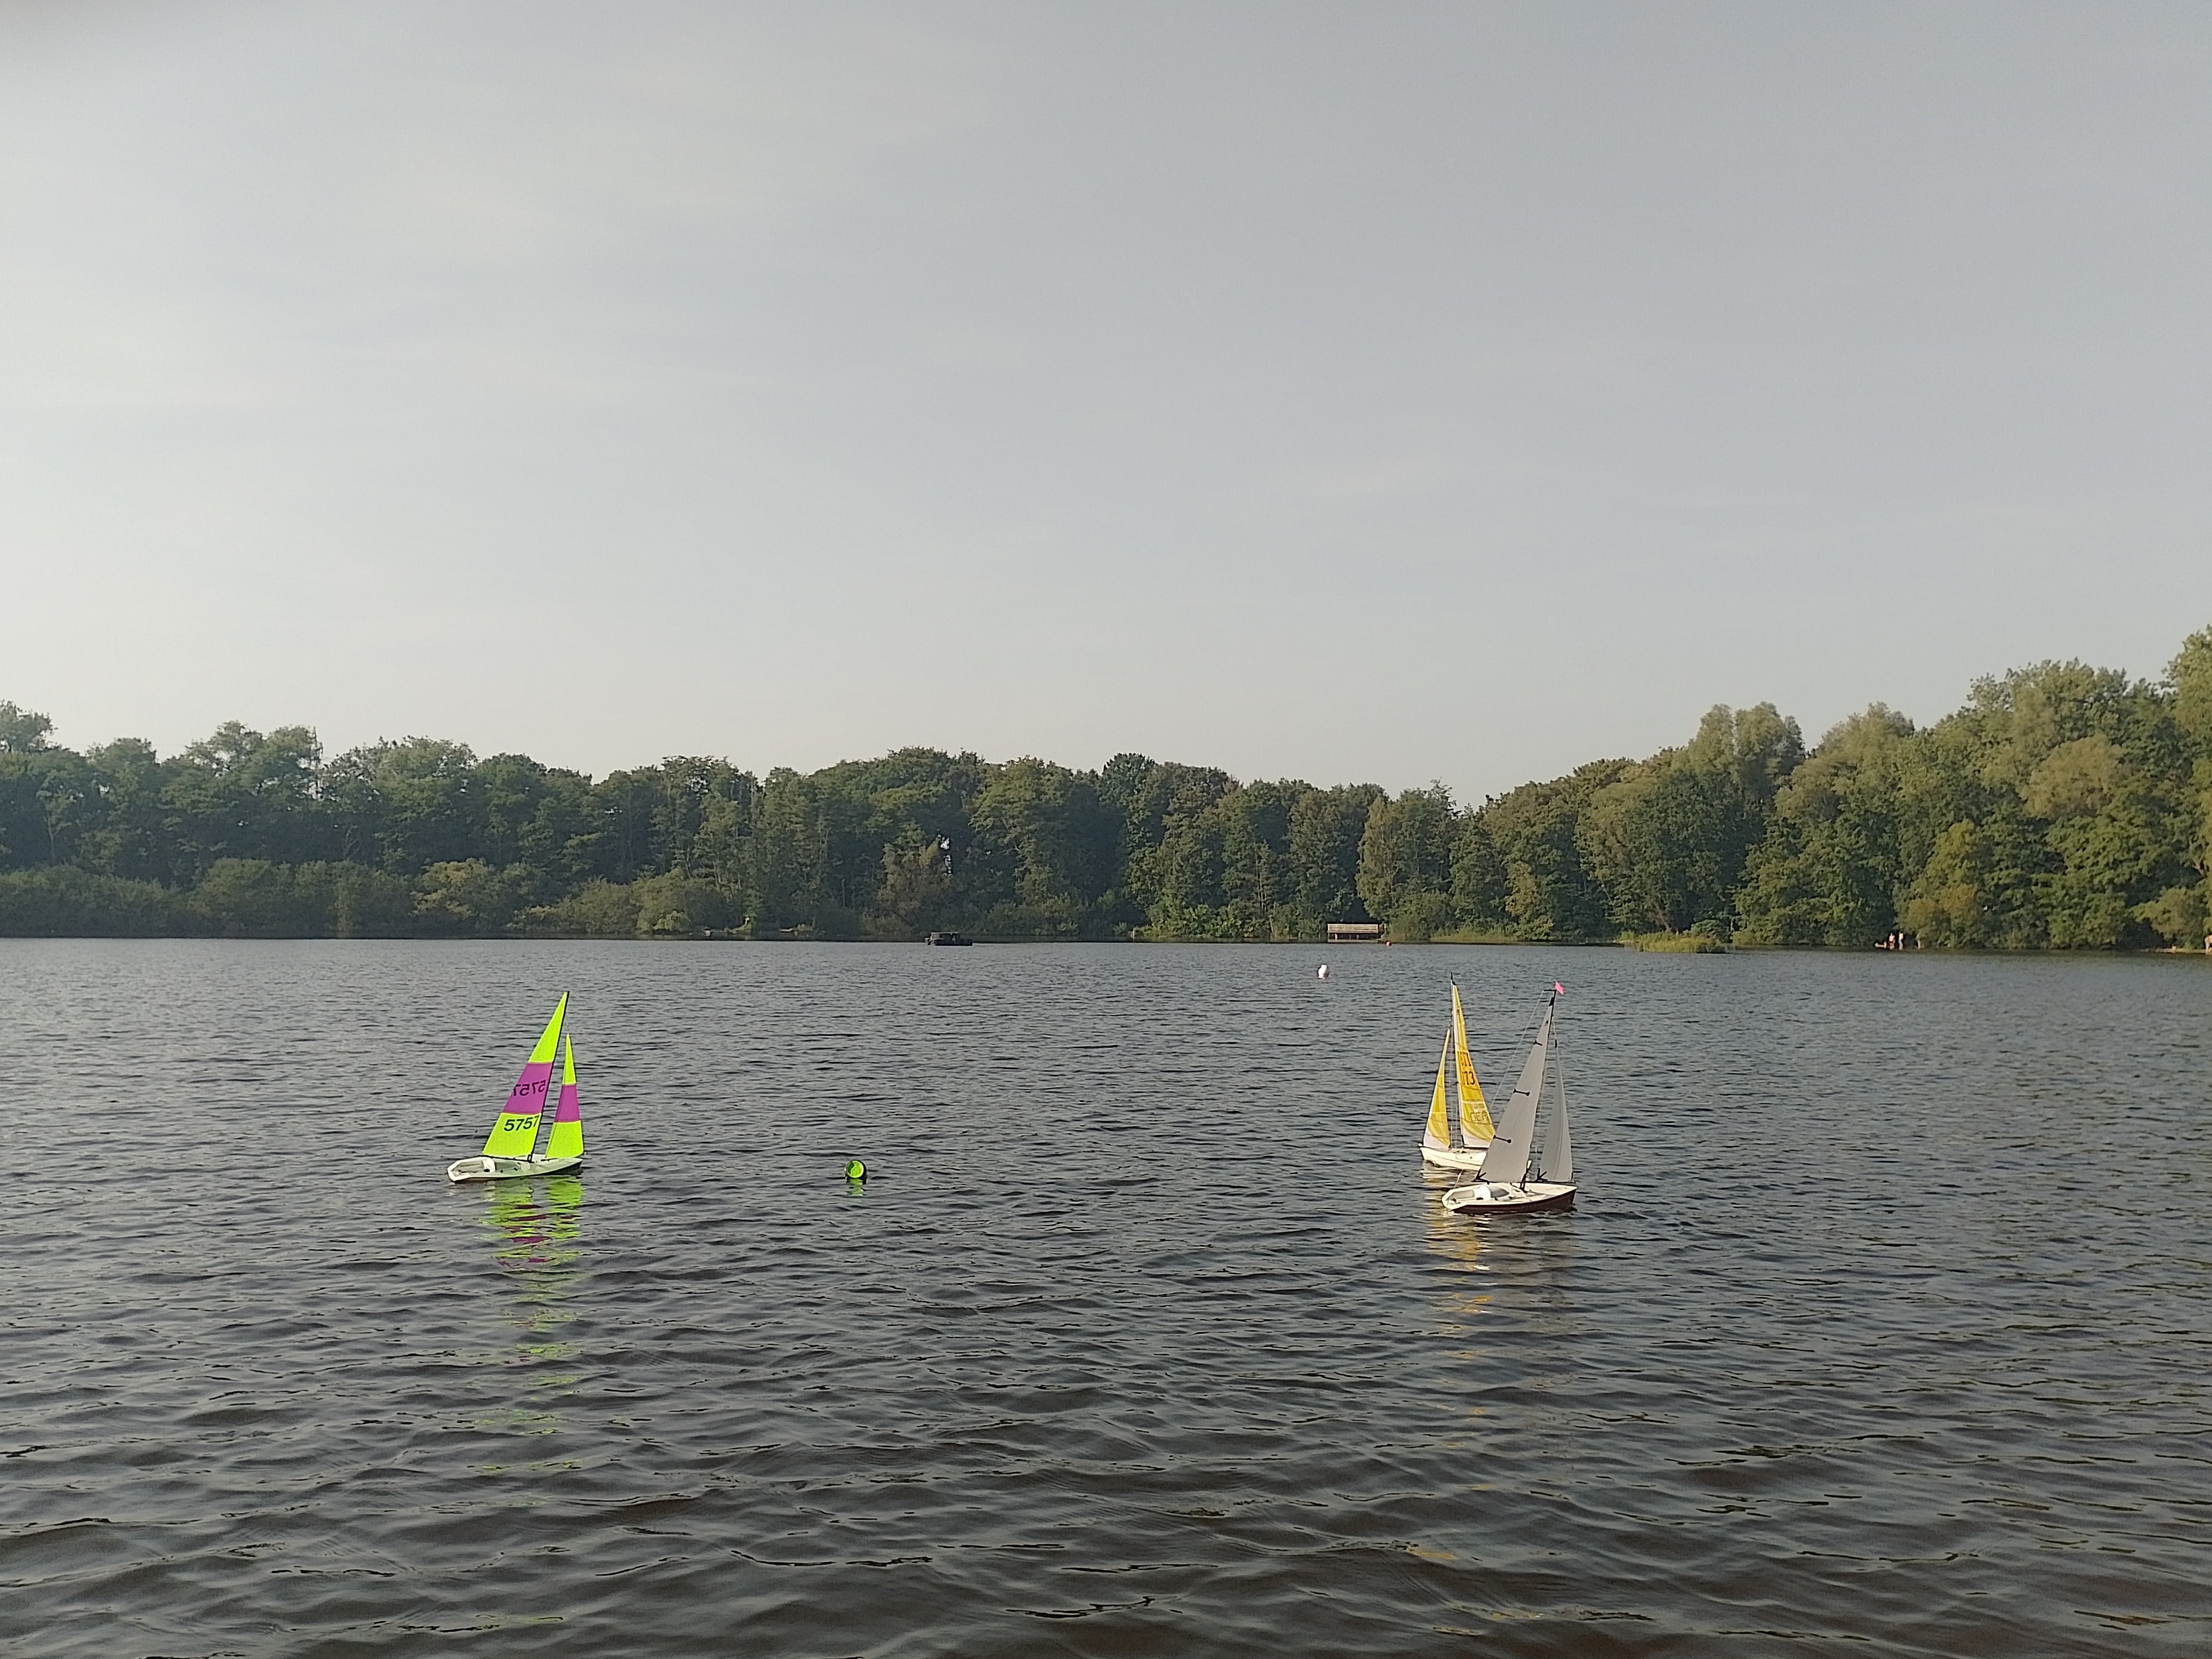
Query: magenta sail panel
[516, 1131]
[531, 1089]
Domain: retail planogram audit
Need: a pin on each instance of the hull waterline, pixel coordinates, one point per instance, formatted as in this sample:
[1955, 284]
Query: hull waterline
[507, 1169]
[1482, 1198]
[1468, 1158]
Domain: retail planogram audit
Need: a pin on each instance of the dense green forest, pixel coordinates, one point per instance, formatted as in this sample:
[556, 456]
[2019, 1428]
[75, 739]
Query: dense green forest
[2064, 806]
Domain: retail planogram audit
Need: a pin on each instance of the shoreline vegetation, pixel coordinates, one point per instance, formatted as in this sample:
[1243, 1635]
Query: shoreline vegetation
[1675, 944]
[2063, 807]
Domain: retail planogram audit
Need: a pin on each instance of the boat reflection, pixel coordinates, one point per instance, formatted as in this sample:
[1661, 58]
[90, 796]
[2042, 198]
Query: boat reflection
[541, 1223]
[537, 1228]
[1522, 1257]
[1449, 1238]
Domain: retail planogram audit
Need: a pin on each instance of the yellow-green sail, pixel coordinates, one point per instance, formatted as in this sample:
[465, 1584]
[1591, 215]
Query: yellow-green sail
[1473, 1114]
[515, 1131]
[566, 1138]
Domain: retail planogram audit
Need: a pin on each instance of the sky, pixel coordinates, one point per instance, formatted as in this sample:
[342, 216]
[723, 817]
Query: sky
[1391, 393]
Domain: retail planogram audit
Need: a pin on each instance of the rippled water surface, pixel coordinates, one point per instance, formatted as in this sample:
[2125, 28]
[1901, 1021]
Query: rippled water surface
[1882, 1326]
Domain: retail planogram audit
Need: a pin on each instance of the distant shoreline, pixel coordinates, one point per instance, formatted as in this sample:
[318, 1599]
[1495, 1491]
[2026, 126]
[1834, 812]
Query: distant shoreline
[2064, 807]
[1334, 951]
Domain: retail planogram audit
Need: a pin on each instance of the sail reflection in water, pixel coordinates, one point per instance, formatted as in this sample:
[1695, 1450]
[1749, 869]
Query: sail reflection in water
[1463, 1290]
[1460, 1247]
[1516, 1281]
[540, 1228]
[544, 1230]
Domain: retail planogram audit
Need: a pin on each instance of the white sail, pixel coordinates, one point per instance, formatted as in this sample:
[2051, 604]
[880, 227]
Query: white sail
[1508, 1158]
[1559, 1144]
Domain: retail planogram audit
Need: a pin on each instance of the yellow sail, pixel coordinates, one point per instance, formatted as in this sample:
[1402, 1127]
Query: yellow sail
[1473, 1114]
[1439, 1119]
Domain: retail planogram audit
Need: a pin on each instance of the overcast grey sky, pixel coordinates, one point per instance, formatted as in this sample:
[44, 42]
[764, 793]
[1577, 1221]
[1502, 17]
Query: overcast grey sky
[1354, 392]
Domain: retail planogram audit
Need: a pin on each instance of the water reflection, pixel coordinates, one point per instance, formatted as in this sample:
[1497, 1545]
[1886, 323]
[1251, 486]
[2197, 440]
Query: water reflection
[1463, 1298]
[543, 1229]
[1527, 1258]
[538, 1244]
[1455, 1239]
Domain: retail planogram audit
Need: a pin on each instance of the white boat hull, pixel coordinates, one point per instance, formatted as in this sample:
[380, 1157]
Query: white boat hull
[505, 1169]
[1456, 1158]
[1482, 1198]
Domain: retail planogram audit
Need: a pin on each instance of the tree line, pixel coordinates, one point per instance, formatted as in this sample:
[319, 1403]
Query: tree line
[2064, 806]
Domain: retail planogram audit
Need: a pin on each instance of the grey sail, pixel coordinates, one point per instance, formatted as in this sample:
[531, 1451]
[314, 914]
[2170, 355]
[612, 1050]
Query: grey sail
[1558, 1160]
[1508, 1158]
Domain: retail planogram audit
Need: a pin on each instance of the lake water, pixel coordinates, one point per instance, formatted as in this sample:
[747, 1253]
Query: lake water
[1883, 1325]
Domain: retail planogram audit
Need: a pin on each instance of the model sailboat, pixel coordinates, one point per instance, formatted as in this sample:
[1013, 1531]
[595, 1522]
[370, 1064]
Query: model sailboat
[1456, 1141]
[1509, 1179]
[508, 1151]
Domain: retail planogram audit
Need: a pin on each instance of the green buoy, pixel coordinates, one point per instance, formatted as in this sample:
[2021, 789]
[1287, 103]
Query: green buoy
[856, 1170]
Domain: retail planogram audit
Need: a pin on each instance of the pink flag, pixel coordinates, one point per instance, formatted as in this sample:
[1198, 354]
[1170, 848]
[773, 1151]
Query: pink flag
[1558, 989]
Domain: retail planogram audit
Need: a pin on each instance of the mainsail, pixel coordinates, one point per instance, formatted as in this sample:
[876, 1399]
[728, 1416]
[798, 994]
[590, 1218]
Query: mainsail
[516, 1130]
[1508, 1158]
[1474, 1116]
[1442, 1131]
[566, 1138]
